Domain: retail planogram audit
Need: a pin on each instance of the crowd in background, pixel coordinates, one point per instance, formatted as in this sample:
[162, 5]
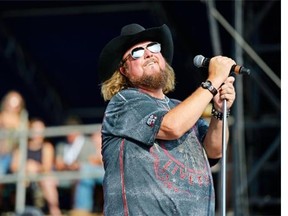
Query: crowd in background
[75, 152]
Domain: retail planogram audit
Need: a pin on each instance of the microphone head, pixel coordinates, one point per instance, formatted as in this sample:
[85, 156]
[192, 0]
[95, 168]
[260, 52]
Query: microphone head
[245, 71]
[198, 60]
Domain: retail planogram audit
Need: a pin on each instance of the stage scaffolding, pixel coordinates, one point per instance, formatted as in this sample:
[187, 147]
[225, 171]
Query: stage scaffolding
[242, 179]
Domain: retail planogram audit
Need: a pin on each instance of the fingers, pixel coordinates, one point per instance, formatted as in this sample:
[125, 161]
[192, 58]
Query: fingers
[230, 79]
[219, 68]
[227, 96]
[227, 90]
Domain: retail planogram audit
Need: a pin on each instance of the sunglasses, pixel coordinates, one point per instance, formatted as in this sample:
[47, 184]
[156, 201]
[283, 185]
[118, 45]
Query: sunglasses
[138, 52]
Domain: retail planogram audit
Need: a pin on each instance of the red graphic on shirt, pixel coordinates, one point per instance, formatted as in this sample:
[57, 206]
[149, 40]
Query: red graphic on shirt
[180, 175]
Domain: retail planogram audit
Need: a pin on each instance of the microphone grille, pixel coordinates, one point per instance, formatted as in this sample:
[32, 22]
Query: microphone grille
[198, 60]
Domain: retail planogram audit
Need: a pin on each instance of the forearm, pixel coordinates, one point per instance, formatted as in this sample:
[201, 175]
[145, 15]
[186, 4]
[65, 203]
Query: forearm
[213, 138]
[182, 118]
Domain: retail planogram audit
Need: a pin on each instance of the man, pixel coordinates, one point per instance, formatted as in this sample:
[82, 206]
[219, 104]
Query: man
[156, 150]
[79, 153]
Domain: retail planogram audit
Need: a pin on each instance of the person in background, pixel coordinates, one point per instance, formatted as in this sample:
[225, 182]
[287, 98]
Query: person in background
[78, 153]
[13, 119]
[97, 158]
[158, 151]
[12, 114]
[40, 159]
[97, 162]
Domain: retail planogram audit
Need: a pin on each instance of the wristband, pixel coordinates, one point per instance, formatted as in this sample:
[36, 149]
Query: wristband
[219, 115]
[208, 85]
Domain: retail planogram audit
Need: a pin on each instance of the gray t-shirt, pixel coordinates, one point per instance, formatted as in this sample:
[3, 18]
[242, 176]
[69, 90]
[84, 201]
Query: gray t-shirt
[146, 176]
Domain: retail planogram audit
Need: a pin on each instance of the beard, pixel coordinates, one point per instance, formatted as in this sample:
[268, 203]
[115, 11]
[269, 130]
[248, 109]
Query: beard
[154, 81]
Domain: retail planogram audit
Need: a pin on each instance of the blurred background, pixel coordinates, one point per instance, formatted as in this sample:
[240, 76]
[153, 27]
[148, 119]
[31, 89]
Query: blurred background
[49, 52]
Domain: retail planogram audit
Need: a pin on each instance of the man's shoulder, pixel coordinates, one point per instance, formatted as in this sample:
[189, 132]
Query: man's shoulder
[129, 94]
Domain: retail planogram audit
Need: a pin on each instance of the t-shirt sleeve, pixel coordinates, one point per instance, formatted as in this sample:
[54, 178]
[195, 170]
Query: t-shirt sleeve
[133, 115]
[202, 128]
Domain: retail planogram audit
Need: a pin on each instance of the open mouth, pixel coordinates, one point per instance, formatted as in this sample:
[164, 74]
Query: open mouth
[150, 62]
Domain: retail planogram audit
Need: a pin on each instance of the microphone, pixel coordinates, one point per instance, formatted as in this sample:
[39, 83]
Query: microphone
[201, 61]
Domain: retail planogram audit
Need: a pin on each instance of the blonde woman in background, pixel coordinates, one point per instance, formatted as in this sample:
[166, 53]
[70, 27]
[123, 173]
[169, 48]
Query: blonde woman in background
[12, 118]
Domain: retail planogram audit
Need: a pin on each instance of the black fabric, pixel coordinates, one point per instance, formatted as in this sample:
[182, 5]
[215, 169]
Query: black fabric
[213, 161]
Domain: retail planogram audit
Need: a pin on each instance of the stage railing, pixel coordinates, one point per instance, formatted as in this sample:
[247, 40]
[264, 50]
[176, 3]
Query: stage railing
[21, 177]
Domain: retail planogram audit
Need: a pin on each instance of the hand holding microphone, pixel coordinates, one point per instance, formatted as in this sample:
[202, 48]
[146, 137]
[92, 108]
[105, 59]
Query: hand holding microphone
[201, 61]
[220, 70]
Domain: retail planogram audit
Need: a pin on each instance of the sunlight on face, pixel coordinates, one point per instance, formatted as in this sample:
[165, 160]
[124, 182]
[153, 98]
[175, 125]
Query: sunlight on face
[13, 102]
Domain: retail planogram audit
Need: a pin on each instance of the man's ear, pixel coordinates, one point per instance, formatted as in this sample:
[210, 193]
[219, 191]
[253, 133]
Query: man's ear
[122, 70]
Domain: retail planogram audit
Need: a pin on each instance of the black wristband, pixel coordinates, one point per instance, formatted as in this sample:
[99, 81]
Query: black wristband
[219, 115]
[208, 85]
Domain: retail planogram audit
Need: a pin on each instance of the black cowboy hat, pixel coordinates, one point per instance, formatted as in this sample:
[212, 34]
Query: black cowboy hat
[132, 34]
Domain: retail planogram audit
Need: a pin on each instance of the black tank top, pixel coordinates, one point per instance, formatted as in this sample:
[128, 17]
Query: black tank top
[35, 155]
